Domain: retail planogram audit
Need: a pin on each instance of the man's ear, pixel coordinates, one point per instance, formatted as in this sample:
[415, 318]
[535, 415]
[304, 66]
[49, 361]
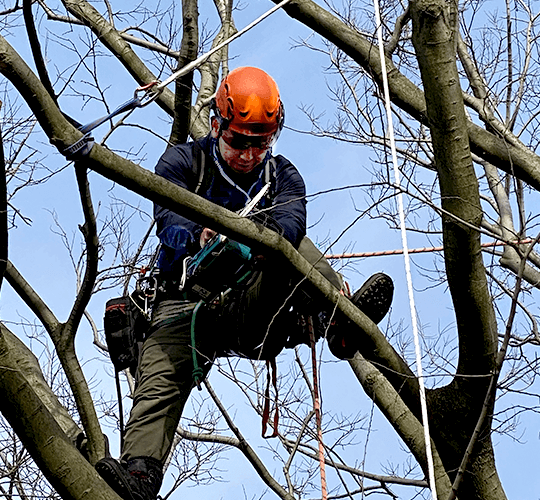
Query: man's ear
[215, 127]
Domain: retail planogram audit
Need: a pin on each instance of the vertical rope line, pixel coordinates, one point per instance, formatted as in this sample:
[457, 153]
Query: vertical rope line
[412, 305]
[317, 408]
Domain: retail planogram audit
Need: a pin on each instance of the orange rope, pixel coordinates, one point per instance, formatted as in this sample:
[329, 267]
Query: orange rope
[416, 250]
[317, 409]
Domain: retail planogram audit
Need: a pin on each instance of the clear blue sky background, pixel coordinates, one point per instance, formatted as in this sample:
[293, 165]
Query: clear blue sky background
[324, 164]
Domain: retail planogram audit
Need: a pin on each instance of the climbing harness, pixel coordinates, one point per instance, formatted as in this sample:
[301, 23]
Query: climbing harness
[423, 403]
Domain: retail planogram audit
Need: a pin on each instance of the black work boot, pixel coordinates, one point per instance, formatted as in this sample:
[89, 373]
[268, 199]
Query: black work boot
[137, 479]
[373, 298]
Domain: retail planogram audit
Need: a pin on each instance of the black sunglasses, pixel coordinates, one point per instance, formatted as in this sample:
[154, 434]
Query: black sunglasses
[241, 141]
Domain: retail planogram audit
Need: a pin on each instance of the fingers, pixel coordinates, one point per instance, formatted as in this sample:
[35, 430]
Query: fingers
[206, 235]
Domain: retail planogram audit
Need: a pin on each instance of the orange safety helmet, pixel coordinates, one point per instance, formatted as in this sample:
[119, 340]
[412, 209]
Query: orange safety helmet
[248, 102]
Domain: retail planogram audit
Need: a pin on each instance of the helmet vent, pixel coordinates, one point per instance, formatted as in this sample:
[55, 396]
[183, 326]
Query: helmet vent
[249, 99]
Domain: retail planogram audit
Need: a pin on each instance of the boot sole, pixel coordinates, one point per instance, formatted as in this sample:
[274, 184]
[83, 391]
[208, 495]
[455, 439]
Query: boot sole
[113, 473]
[374, 297]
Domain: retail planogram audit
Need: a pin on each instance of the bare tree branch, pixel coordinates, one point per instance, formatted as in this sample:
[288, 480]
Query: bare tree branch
[118, 46]
[248, 451]
[3, 211]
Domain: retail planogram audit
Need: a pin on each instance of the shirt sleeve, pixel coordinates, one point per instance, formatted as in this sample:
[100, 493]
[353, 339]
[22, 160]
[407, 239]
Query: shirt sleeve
[289, 203]
[179, 236]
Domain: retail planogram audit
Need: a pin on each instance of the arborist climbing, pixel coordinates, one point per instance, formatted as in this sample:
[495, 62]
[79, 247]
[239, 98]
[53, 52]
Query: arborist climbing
[215, 297]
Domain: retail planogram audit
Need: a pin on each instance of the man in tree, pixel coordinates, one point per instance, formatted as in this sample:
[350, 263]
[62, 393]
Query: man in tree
[229, 167]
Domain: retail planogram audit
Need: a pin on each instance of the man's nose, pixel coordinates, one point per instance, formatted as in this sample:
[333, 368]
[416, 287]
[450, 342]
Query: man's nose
[247, 154]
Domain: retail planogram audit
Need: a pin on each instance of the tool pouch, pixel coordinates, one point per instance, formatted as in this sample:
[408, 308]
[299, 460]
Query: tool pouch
[125, 325]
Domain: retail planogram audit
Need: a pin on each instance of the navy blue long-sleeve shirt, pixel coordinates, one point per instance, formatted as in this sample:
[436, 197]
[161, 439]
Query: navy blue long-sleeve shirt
[180, 236]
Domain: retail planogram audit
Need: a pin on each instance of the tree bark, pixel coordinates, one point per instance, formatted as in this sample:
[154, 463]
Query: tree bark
[188, 53]
[456, 408]
[41, 424]
[402, 419]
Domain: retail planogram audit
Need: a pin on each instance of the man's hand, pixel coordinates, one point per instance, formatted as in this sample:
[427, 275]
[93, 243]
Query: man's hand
[206, 235]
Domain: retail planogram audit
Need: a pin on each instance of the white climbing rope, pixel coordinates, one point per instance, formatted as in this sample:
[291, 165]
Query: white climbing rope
[195, 64]
[423, 404]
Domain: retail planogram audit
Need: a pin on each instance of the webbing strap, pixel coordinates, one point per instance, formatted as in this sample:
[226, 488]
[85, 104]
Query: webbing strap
[271, 375]
[197, 370]
[120, 408]
[79, 149]
[199, 164]
[84, 145]
[134, 102]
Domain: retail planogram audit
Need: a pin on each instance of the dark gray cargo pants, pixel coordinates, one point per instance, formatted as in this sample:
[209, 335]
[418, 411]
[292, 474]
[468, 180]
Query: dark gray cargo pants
[164, 381]
[165, 373]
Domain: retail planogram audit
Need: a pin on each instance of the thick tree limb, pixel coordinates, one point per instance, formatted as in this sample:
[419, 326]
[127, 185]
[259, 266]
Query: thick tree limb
[67, 357]
[28, 366]
[409, 428]
[435, 50]
[435, 40]
[40, 431]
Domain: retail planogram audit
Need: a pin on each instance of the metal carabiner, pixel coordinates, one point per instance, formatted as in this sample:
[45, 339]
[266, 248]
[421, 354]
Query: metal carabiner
[183, 279]
[150, 94]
